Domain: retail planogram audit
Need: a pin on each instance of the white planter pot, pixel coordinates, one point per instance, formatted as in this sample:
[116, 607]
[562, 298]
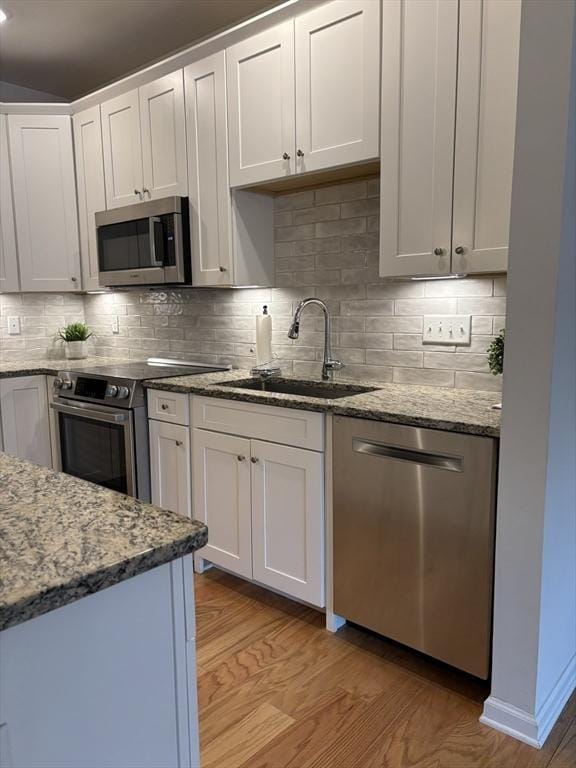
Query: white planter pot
[75, 350]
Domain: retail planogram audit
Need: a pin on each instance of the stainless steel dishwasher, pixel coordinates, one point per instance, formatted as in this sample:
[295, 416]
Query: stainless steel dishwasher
[414, 537]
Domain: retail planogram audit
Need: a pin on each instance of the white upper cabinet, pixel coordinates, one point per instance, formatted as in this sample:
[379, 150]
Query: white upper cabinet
[419, 54]
[163, 137]
[209, 194]
[122, 150]
[485, 131]
[337, 84]
[8, 255]
[303, 96]
[261, 106]
[144, 138]
[90, 189]
[449, 81]
[44, 202]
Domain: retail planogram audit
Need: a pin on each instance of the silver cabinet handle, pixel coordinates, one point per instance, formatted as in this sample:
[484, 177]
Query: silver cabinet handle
[241, 458]
[438, 251]
[254, 460]
[459, 250]
[285, 156]
[299, 153]
[413, 455]
[179, 443]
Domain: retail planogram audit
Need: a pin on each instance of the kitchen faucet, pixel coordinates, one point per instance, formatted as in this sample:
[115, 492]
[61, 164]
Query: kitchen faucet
[328, 364]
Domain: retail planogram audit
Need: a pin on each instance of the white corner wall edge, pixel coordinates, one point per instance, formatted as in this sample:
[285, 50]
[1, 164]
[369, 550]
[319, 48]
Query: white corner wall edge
[531, 729]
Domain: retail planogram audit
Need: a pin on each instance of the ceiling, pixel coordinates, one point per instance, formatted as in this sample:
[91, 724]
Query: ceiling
[71, 47]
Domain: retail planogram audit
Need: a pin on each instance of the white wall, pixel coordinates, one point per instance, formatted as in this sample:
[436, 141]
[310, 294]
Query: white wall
[534, 659]
[19, 94]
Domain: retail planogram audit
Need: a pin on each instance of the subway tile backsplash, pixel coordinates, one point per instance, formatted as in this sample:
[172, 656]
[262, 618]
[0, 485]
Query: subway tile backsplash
[326, 245]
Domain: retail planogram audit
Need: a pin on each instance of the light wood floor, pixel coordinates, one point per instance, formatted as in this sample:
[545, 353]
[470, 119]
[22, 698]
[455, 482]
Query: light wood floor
[278, 691]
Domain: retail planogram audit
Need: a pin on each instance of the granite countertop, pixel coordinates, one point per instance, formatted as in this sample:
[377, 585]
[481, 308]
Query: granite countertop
[457, 410]
[62, 538]
[50, 367]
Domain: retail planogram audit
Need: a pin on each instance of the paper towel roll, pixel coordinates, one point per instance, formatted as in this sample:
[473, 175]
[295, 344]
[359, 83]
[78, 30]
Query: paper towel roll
[263, 338]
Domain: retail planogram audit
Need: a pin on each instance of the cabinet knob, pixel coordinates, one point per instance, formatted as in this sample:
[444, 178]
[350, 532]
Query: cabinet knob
[459, 250]
[137, 192]
[285, 156]
[254, 460]
[164, 407]
[438, 251]
[146, 190]
[299, 153]
[74, 279]
[222, 269]
[241, 458]
[178, 443]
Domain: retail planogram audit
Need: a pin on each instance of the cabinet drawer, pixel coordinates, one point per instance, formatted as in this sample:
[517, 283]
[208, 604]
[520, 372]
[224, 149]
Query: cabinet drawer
[169, 406]
[301, 429]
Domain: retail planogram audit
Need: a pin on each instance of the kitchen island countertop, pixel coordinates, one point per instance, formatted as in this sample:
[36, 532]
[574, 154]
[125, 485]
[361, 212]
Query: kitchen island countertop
[62, 538]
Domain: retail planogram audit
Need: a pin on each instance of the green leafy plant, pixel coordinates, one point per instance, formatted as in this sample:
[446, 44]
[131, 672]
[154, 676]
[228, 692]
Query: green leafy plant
[496, 354]
[75, 332]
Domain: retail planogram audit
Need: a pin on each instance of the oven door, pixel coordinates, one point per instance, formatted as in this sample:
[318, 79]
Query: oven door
[97, 444]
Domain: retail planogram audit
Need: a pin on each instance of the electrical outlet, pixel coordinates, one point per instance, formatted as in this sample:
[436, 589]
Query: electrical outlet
[14, 326]
[115, 324]
[447, 329]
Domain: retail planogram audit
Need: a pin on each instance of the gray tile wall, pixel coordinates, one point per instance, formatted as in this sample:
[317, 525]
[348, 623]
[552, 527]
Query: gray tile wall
[41, 315]
[326, 246]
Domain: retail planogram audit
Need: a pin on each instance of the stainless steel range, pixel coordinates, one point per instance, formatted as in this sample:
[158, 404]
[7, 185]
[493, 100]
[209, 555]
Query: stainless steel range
[102, 422]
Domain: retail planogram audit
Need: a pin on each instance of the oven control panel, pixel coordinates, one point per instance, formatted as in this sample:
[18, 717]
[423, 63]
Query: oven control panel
[93, 388]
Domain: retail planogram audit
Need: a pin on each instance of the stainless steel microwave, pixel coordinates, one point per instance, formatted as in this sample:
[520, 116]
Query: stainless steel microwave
[145, 244]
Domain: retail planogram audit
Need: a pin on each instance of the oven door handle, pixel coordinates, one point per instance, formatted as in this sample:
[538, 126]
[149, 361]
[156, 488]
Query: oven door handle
[85, 409]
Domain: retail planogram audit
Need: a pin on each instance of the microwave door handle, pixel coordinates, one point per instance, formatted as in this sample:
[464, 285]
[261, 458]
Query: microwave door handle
[153, 221]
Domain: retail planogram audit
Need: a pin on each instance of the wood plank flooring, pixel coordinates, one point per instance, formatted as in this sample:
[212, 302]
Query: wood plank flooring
[278, 691]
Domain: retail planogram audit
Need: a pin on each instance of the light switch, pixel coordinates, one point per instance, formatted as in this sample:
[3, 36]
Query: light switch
[447, 329]
[14, 326]
[115, 324]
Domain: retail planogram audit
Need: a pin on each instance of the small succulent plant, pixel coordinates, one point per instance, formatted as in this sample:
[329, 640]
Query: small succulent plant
[75, 332]
[496, 354]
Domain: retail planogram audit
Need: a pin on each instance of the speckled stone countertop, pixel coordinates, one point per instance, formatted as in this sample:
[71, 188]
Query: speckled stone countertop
[457, 410]
[62, 538]
[50, 367]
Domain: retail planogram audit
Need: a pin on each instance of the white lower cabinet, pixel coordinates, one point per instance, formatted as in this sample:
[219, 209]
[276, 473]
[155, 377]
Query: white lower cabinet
[170, 466]
[263, 501]
[288, 520]
[221, 471]
[25, 419]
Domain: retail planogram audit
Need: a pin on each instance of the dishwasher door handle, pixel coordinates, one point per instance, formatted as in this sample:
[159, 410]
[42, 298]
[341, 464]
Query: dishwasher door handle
[437, 460]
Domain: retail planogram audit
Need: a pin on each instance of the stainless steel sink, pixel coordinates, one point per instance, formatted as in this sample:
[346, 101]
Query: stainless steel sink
[329, 391]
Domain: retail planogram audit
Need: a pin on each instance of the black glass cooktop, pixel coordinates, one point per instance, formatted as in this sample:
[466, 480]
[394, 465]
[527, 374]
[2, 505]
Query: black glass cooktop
[140, 371]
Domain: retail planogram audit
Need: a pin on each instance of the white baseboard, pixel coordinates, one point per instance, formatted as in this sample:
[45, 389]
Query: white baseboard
[524, 726]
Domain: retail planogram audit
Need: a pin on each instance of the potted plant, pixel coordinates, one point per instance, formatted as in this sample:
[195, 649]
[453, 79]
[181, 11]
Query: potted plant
[75, 336]
[496, 356]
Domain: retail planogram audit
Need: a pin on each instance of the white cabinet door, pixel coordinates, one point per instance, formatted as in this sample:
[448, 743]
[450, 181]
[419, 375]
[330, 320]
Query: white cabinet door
[221, 494]
[25, 420]
[122, 150]
[90, 187]
[419, 52]
[337, 84]
[170, 466]
[485, 127]
[42, 162]
[163, 137]
[8, 255]
[261, 115]
[209, 192]
[288, 520]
